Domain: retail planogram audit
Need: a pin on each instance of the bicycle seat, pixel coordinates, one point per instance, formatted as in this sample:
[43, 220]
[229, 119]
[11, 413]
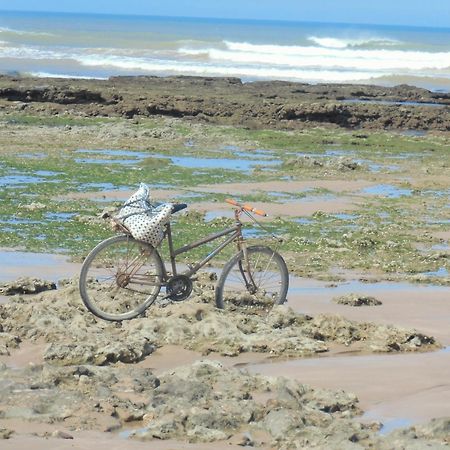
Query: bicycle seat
[178, 207]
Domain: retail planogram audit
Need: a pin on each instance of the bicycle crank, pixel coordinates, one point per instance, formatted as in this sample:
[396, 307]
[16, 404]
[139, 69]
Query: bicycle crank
[179, 288]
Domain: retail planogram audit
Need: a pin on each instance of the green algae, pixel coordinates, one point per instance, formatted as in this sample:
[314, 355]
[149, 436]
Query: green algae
[382, 235]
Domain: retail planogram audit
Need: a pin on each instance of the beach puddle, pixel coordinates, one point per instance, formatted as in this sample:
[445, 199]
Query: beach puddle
[17, 264]
[297, 286]
[387, 190]
[253, 154]
[394, 424]
[344, 216]
[16, 221]
[413, 133]
[440, 247]
[441, 272]
[241, 165]
[439, 222]
[190, 162]
[19, 180]
[59, 217]
[129, 432]
[34, 155]
[217, 214]
[304, 221]
[394, 103]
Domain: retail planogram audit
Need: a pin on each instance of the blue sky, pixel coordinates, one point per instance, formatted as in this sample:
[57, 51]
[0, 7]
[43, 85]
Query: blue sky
[432, 13]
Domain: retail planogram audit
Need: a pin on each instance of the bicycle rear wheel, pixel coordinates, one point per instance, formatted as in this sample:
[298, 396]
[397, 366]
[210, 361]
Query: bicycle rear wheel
[260, 284]
[120, 278]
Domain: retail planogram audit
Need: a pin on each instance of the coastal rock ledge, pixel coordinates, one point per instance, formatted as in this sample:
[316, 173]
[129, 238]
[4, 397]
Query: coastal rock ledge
[262, 104]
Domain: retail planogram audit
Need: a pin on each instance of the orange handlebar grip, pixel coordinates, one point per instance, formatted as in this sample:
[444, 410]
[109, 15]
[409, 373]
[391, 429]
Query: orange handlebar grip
[254, 210]
[232, 202]
[260, 212]
[248, 208]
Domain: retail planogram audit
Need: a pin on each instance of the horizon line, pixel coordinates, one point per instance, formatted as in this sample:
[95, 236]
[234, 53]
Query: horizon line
[229, 19]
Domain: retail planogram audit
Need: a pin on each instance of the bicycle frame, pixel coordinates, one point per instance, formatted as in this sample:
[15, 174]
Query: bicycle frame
[235, 233]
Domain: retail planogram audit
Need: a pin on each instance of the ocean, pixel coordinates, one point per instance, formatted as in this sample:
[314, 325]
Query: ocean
[100, 46]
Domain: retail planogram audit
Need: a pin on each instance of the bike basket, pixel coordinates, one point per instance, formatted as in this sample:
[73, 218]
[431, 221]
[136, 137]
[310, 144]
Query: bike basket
[144, 220]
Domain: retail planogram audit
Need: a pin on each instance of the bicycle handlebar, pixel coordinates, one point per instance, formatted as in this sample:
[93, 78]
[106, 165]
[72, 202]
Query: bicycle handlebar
[248, 208]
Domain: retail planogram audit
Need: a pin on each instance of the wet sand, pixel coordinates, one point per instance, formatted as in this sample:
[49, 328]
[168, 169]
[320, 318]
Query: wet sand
[414, 387]
[397, 390]
[93, 440]
[425, 308]
[411, 387]
[338, 186]
[301, 207]
[15, 264]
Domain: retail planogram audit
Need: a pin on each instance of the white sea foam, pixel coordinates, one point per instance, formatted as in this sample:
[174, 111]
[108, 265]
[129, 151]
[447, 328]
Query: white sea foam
[60, 75]
[330, 42]
[304, 56]
[164, 67]
[241, 59]
[24, 32]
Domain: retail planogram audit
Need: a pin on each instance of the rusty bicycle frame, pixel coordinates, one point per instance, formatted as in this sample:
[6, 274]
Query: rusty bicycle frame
[235, 234]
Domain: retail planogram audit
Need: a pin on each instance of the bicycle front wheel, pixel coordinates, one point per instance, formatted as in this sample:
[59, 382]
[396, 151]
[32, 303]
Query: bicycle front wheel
[120, 278]
[259, 281]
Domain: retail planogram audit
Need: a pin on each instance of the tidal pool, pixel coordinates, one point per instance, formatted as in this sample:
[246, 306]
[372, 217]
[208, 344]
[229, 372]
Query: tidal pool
[246, 164]
[387, 190]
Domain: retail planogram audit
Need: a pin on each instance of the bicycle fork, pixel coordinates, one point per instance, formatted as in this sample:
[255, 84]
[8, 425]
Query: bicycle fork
[246, 272]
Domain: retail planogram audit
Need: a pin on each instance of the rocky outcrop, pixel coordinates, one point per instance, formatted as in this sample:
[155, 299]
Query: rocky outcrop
[75, 336]
[357, 300]
[201, 402]
[268, 104]
[26, 286]
[89, 379]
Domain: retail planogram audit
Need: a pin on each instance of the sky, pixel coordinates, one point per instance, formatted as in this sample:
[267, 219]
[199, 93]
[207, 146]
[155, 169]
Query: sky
[430, 13]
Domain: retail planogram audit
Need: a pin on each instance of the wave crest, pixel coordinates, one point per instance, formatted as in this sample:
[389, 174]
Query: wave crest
[24, 32]
[330, 42]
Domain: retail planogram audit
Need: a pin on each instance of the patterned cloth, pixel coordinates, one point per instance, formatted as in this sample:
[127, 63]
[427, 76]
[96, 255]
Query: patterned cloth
[144, 220]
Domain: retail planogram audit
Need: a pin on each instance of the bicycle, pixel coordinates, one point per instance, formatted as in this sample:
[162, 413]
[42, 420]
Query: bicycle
[122, 276]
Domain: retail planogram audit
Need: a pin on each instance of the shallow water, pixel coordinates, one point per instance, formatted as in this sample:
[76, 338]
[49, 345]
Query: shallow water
[441, 272]
[297, 286]
[214, 214]
[413, 133]
[394, 424]
[122, 162]
[440, 247]
[396, 103]
[304, 221]
[243, 165]
[387, 190]
[15, 264]
[12, 181]
[345, 216]
[59, 217]
[191, 162]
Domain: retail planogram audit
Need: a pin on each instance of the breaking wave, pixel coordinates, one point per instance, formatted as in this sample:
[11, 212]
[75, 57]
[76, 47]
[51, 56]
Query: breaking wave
[330, 42]
[330, 62]
[24, 32]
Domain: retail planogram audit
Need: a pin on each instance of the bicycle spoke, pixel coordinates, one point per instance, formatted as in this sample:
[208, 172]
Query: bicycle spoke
[127, 278]
[267, 280]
